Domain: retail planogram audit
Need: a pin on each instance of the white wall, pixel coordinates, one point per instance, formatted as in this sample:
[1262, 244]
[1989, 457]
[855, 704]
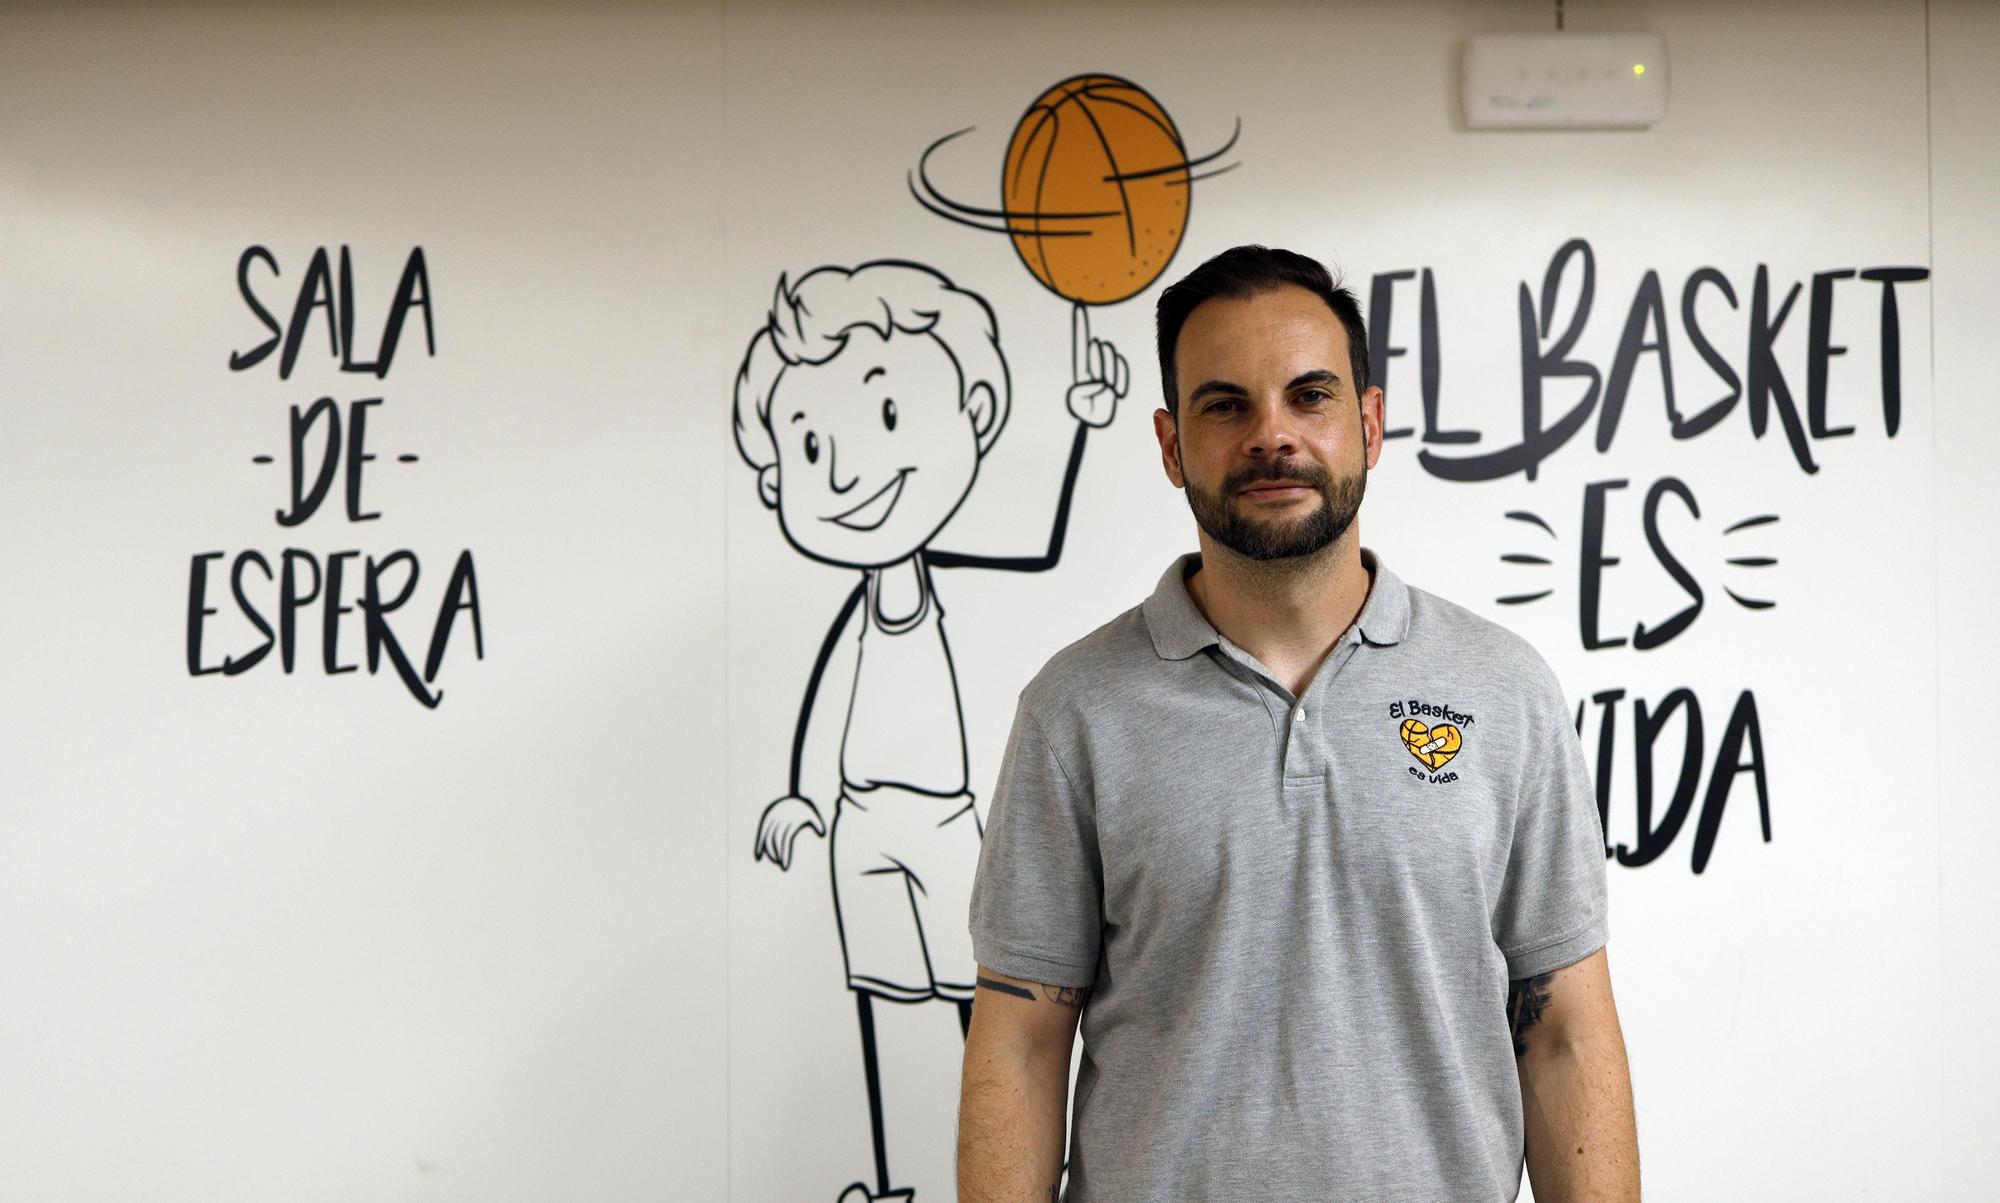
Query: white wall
[1965, 176]
[299, 936]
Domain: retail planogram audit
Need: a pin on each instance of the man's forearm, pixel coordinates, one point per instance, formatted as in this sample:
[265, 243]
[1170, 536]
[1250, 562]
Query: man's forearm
[1583, 1141]
[1010, 1125]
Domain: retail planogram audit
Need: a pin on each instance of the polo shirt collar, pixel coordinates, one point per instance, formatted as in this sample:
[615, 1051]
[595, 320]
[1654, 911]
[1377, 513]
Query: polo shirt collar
[1385, 617]
[1179, 630]
[1176, 624]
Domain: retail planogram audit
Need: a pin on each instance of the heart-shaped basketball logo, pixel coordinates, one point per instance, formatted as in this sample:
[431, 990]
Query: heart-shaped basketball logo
[1432, 746]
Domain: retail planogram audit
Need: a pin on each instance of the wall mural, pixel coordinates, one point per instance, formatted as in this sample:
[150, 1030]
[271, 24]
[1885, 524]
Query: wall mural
[865, 404]
[1552, 552]
[320, 446]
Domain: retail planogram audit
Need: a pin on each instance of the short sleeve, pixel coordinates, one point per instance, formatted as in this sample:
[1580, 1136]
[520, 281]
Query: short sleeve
[1552, 906]
[1037, 898]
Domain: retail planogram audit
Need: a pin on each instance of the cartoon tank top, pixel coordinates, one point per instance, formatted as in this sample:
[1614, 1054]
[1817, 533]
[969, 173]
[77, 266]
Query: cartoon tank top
[903, 724]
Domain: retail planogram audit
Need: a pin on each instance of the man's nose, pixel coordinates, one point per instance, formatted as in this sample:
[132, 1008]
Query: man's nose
[1272, 434]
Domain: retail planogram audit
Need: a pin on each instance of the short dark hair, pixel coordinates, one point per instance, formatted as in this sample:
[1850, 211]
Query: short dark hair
[1246, 271]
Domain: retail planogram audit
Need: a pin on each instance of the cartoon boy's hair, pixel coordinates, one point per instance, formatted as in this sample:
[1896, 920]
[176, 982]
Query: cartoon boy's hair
[810, 321]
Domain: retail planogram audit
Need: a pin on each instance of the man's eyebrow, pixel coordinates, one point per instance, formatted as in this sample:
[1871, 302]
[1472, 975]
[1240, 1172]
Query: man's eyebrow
[1319, 376]
[1210, 387]
[873, 372]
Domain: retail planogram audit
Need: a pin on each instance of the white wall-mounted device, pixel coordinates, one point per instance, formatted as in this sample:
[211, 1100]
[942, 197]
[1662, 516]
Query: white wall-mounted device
[1564, 80]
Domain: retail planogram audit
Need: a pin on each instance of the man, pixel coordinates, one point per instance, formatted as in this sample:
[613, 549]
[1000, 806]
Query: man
[1311, 852]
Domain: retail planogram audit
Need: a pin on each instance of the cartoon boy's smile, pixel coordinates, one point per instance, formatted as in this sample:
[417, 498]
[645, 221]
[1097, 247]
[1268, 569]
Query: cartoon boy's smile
[874, 511]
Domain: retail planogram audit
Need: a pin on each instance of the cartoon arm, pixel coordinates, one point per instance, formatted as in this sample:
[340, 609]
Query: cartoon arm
[785, 818]
[1101, 378]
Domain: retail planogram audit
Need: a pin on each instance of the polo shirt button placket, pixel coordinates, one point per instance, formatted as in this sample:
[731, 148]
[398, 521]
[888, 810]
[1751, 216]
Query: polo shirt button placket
[1301, 762]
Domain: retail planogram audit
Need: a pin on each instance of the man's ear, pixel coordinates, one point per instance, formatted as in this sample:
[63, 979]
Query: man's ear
[1372, 421]
[981, 406]
[1169, 434]
[767, 486]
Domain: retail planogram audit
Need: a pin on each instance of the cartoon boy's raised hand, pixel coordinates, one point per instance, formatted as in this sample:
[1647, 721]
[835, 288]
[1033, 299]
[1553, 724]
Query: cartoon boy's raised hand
[1099, 371]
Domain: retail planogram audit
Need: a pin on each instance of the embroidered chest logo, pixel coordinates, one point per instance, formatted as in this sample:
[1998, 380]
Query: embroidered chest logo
[1434, 744]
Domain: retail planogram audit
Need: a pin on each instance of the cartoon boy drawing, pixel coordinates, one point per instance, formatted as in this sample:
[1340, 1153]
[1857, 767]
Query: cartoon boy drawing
[865, 404]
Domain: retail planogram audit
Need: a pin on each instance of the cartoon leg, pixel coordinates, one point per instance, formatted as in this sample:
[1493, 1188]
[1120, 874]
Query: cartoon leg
[864, 1003]
[965, 1017]
[884, 953]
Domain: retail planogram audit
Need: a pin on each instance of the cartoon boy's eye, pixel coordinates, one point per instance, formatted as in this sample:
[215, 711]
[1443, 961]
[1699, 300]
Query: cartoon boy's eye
[889, 412]
[812, 447]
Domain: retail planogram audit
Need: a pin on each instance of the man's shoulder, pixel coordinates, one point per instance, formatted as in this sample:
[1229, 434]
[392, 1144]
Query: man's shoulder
[1108, 659]
[1442, 627]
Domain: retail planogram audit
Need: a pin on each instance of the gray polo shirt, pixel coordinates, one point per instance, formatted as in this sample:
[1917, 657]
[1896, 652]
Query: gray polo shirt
[1298, 915]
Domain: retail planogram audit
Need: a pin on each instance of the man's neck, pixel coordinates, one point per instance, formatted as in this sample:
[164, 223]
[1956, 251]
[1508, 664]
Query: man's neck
[1287, 613]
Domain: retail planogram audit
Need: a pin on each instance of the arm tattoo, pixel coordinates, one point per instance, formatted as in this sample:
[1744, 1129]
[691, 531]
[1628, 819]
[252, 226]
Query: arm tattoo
[1068, 996]
[987, 983]
[1526, 1000]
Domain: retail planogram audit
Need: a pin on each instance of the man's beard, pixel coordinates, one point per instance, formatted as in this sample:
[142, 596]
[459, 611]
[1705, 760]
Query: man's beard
[1281, 536]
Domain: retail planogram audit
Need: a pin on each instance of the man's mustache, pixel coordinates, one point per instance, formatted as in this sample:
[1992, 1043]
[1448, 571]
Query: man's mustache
[1303, 471]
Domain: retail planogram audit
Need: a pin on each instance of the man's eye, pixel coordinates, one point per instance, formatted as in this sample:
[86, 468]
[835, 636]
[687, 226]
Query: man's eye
[1315, 395]
[1221, 406]
[889, 412]
[812, 447]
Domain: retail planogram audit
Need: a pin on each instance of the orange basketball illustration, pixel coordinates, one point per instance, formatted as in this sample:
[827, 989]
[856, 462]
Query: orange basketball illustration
[1434, 746]
[1096, 188]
